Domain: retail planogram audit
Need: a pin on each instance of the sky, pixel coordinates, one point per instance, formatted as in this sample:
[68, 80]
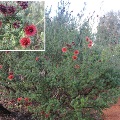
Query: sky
[77, 5]
[99, 6]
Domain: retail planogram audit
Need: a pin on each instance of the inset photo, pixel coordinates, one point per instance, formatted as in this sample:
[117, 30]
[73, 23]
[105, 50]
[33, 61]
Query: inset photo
[22, 25]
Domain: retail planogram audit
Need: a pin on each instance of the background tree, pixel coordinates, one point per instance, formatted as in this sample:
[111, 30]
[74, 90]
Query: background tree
[108, 30]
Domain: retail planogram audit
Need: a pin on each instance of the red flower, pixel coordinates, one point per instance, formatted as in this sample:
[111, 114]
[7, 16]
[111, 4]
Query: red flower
[30, 30]
[0, 23]
[76, 66]
[89, 45]
[19, 99]
[25, 42]
[74, 57]
[37, 58]
[26, 99]
[76, 52]
[64, 49]
[1, 66]
[10, 77]
[87, 39]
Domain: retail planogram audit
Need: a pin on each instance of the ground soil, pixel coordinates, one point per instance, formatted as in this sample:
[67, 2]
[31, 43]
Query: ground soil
[112, 113]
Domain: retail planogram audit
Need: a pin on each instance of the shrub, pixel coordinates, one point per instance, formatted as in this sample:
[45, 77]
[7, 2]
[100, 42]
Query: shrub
[70, 80]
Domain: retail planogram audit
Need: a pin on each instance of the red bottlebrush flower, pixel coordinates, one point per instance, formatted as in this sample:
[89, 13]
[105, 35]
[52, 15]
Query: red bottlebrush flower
[89, 45]
[76, 66]
[25, 42]
[0, 24]
[47, 115]
[74, 57]
[16, 25]
[64, 49]
[76, 52]
[11, 10]
[10, 77]
[3, 9]
[19, 99]
[1, 66]
[37, 58]
[26, 99]
[87, 39]
[30, 30]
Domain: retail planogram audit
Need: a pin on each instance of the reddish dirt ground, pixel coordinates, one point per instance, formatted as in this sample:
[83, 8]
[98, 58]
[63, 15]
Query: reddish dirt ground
[112, 113]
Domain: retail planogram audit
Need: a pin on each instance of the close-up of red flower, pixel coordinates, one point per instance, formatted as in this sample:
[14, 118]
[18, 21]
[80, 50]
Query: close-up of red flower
[1, 66]
[76, 52]
[19, 99]
[30, 30]
[64, 49]
[74, 57]
[10, 77]
[25, 42]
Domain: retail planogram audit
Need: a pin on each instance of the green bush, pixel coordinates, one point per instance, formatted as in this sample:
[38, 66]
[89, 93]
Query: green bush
[58, 85]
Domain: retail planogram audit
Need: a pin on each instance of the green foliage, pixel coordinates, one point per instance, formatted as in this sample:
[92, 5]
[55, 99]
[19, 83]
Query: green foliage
[56, 88]
[108, 32]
